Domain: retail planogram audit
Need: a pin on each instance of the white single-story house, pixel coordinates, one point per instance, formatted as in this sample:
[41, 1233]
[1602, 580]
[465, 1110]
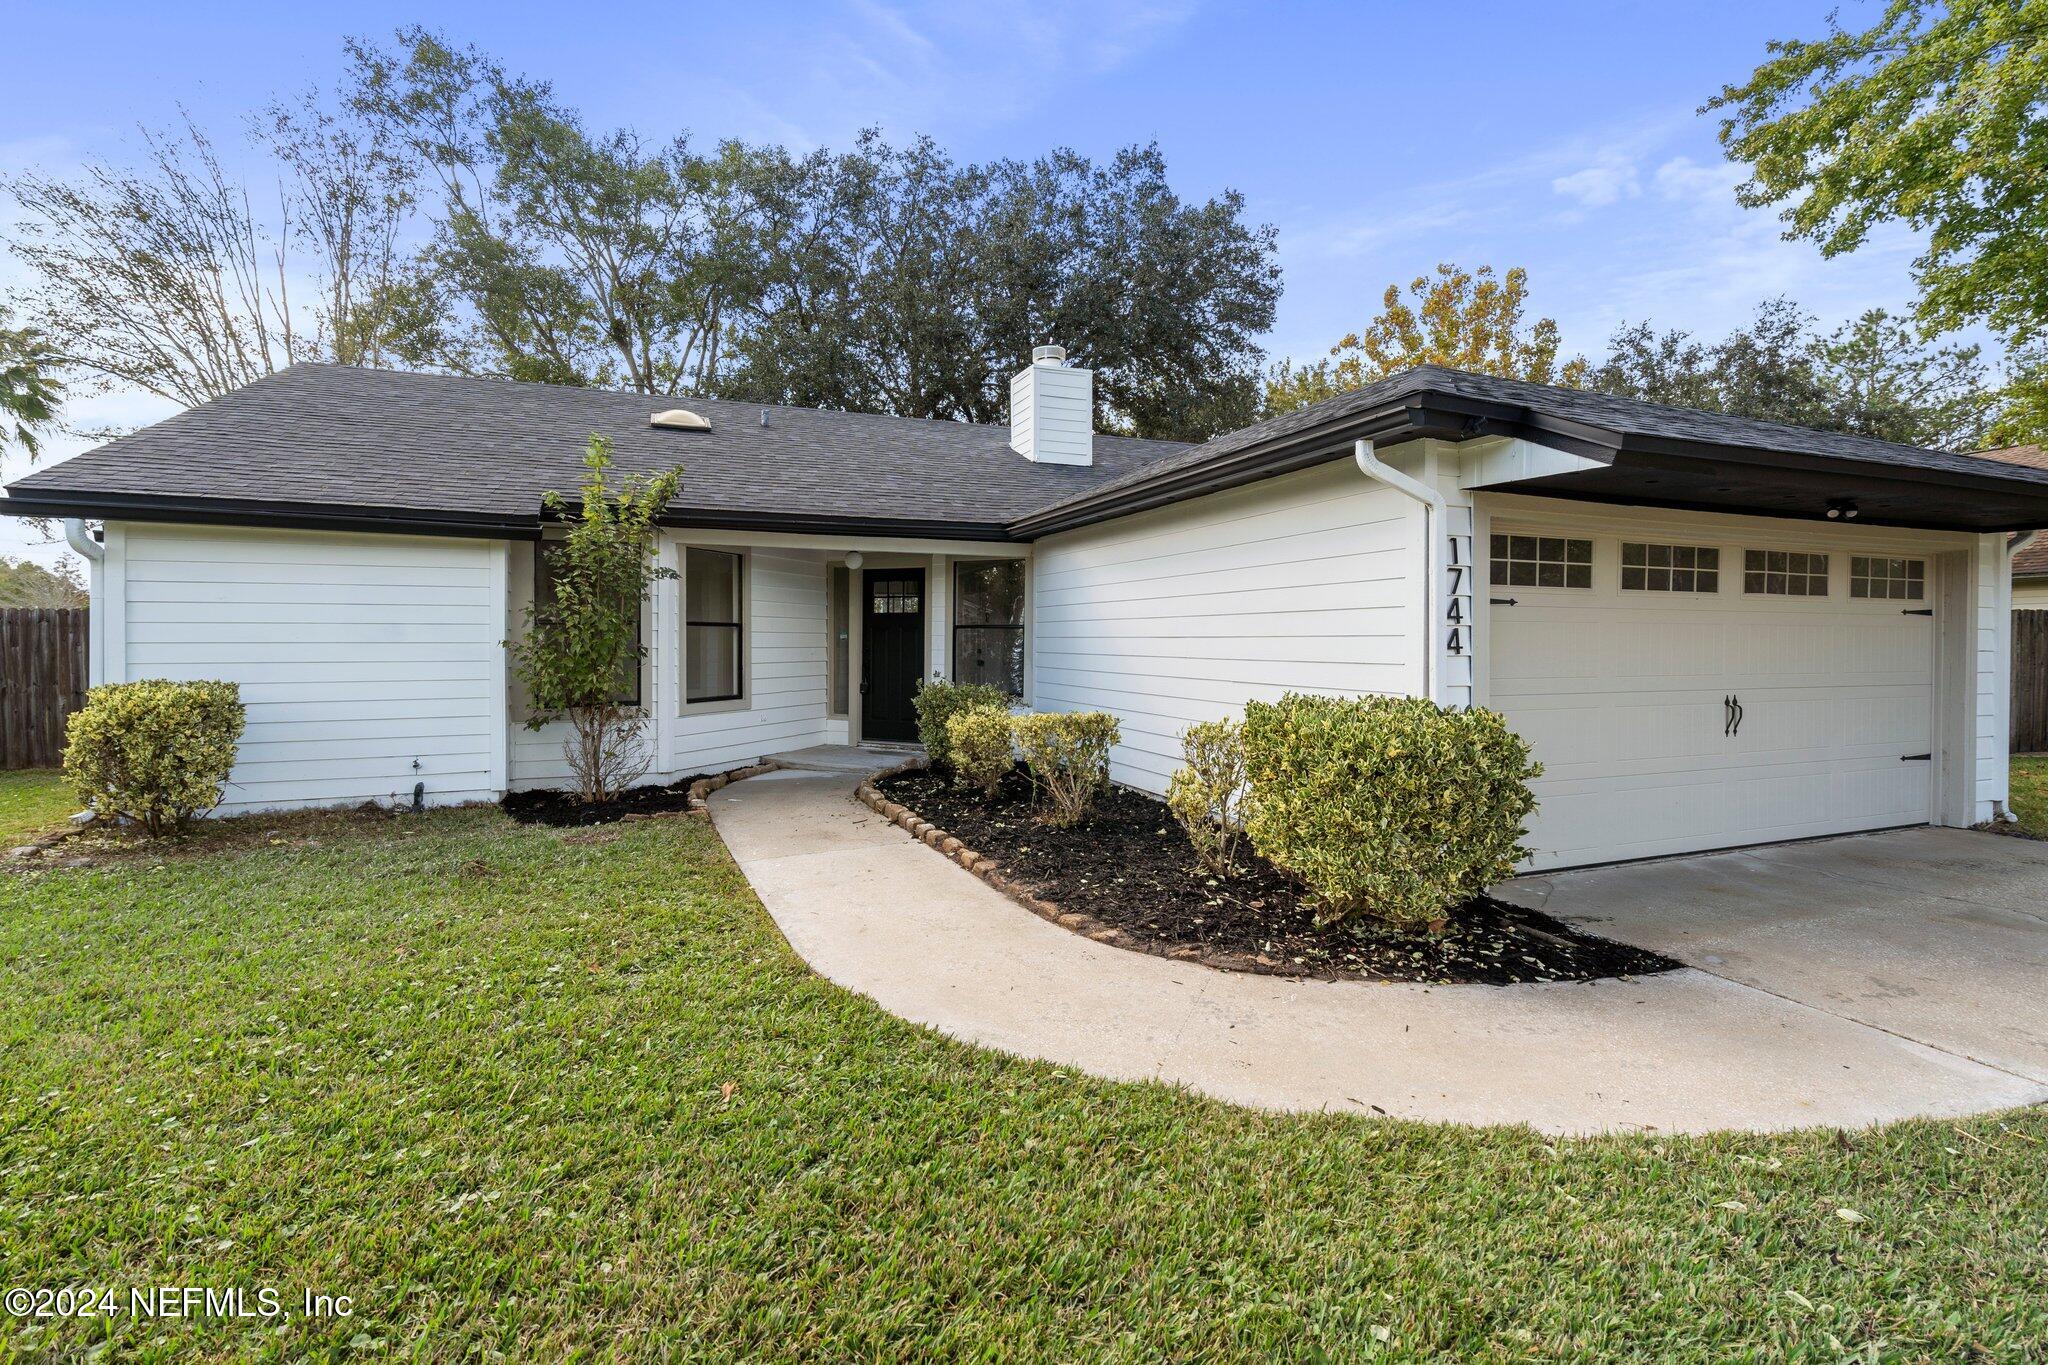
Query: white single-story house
[1713, 631]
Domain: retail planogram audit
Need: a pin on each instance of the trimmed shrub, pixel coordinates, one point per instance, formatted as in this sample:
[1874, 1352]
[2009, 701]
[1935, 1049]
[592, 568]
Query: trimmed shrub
[157, 752]
[1068, 753]
[1207, 794]
[938, 700]
[979, 739]
[1387, 806]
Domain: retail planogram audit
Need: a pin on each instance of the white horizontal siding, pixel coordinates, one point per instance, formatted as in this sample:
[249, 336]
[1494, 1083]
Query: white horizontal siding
[358, 656]
[1305, 583]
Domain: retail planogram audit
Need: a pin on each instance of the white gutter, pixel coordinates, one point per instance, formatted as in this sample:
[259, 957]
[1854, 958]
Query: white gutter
[76, 536]
[1433, 515]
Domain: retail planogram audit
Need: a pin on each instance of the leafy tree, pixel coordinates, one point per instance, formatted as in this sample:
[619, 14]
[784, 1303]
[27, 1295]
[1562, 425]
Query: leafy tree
[25, 583]
[1463, 319]
[578, 644]
[1872, 376]
[897, 280]
[29, 387]
[2023, 404]
[1932, 117]
[559, 254]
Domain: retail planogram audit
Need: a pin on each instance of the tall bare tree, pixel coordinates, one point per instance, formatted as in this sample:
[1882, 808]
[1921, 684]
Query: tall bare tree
[167, 276]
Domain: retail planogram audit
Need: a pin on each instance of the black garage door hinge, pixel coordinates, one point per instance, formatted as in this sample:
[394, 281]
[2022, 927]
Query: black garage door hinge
[1500, 601]
[1916, 758]
[1917, 611]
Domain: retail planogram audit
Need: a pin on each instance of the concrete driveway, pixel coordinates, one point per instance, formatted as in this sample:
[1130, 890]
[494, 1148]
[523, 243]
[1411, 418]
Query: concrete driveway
[1691, 1050]
[1939, 936]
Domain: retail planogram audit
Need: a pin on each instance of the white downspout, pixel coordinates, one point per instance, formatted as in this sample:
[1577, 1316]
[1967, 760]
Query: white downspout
[76, 537]
[1433, 515]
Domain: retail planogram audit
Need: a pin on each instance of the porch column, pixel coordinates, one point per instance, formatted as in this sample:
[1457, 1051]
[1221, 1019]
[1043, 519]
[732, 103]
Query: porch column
[938, 621]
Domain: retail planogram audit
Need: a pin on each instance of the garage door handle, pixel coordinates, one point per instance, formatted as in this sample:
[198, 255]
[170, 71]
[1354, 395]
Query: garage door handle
[1727, 716]
[1739, 714]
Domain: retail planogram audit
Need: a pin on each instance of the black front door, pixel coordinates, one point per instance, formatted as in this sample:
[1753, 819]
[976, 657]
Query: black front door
[892, 652]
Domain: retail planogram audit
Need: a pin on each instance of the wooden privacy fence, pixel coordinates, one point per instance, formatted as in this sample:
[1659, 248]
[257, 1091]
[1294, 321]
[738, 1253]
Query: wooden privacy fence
[42, 681]
[2030, 682]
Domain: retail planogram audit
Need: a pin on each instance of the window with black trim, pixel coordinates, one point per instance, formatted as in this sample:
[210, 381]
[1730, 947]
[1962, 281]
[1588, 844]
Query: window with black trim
[1895, 580]
[1670, 568]
[1542, 562]
[544, 574]
[988, 623]
[1784, 573]
[712, 647]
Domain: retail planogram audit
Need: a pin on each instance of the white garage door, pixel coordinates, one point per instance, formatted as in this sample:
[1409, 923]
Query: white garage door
[1689, 693]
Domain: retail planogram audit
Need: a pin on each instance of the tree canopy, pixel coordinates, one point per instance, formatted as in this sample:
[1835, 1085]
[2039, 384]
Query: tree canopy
[1872, 377]
[453, 215]
[29, 388]
[1462, 319]
[1932, 116]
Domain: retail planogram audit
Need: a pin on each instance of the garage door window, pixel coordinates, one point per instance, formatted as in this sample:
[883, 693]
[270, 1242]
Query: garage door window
[1670, 568]
[1784, 573]
[1898, 580]
[1542, 562]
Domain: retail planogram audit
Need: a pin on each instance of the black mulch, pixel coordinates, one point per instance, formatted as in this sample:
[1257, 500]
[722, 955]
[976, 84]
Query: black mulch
[569, 809]
[1131, 866]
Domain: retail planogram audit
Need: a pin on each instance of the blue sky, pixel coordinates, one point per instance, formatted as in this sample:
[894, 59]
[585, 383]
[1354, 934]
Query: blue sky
[1378, 139]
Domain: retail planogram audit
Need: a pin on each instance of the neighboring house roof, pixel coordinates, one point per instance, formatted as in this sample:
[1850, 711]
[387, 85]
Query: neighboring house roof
[334, 442]
[2031, 559]
[330, 445]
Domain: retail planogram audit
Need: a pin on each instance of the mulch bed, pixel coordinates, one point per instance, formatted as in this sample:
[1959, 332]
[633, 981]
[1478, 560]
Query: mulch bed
[1130, 867]
[567, 809]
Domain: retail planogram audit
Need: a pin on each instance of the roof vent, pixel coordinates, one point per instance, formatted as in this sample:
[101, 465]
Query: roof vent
[679, 419]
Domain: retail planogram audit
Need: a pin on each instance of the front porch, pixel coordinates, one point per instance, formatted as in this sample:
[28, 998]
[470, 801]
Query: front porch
[776, 644]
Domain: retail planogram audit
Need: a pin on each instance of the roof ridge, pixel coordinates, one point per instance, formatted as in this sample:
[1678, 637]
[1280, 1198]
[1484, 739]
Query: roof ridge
[381, 371]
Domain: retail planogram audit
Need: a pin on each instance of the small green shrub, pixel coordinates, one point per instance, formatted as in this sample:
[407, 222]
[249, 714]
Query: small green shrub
[157, 752]
[1388, 806]
[979, 739]
[1068, 753]
[1207, 793]
[938, 700]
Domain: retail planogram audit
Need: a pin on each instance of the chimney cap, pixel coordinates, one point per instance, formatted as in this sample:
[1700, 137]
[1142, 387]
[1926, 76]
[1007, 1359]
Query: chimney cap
[1048, 355]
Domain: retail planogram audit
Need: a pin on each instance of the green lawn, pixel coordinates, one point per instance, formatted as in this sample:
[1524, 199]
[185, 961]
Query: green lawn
[32, 801]
[2030, 795]
[538, 1094]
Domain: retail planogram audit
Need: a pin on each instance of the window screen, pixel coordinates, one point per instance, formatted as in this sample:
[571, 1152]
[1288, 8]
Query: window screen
[1899, 580]
[1670, 568]
[1784, 573]
[1542, 562]
[711, 626]
[988, 623]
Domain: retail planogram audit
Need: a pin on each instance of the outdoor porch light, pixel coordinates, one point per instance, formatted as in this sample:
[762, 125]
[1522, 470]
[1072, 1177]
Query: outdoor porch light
[853, 559]
[1842, 509]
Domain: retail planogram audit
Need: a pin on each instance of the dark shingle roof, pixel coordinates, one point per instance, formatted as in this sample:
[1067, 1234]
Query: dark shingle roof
[335, 436]
[1622, 417]
[480, 453]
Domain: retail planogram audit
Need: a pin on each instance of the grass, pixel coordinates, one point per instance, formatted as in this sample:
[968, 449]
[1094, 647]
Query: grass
[32, 801]
[2030, 795]
[543, 1094]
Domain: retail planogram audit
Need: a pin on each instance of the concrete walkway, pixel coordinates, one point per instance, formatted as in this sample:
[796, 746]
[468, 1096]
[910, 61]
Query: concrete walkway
[879, 913]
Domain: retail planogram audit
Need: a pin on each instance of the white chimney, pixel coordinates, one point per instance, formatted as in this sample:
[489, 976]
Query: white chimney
[1052, 410]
